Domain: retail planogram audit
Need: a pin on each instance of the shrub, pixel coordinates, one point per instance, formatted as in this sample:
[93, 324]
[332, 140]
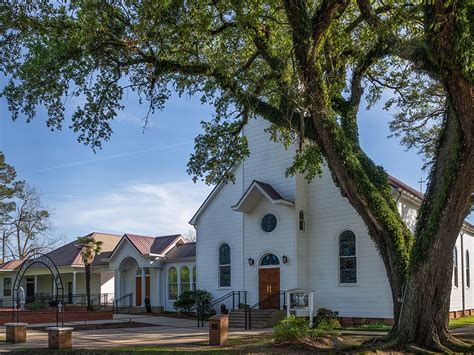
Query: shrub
[185, 302]
[291, 329]
[203, 300]
[194, 301]
[329, 327]
[297, 329]
[325, 314]
[34, 306]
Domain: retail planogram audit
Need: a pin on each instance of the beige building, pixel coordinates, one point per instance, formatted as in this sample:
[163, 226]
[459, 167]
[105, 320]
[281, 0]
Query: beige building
[38, 281]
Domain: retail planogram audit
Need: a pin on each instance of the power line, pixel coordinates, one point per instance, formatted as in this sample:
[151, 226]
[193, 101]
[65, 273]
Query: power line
[104, 158]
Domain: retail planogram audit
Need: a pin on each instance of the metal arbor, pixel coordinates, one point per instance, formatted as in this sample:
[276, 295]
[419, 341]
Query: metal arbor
[49, 263]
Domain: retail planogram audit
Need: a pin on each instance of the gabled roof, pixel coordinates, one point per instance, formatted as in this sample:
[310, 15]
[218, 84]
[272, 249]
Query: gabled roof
[401, 185]
[256, 190]
[420, 197]
[148, 245]
[180, 251]
[70, 254]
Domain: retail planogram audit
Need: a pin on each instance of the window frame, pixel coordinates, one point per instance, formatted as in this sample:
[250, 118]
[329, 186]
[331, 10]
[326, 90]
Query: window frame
[269, 254]
[222, 265]
[301, 221]
[184, 283]
[172, 284]
[9, 288]
[262, 217]
[354, 256]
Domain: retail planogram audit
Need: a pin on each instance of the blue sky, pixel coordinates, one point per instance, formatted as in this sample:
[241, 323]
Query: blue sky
[138, 181]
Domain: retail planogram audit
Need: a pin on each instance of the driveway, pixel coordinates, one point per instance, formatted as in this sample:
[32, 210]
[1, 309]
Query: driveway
[163, 331]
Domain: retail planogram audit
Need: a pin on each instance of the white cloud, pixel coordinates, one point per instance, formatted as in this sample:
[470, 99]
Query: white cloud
[150, 209]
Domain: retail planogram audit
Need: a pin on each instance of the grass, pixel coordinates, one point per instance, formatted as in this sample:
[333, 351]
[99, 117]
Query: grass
[461, 322]
[379, 327]
[257, 344]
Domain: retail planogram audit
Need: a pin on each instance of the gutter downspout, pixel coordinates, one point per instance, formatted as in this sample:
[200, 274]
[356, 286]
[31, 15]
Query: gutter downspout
[463, 292]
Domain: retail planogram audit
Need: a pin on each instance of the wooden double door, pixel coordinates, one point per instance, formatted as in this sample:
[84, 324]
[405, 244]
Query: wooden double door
[138, 288]
[269, 288]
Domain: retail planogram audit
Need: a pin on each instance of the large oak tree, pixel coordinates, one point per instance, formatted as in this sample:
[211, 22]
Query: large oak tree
[300, 64]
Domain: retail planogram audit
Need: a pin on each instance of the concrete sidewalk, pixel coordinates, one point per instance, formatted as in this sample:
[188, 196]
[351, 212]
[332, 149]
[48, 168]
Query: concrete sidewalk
[163, 331]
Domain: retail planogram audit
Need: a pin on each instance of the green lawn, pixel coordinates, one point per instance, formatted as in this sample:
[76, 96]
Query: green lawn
[258, 344]
[461, 322]
[453, 324]
[379, 327]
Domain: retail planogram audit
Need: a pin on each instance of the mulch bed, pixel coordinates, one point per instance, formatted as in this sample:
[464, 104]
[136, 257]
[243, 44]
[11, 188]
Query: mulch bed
[117, 325]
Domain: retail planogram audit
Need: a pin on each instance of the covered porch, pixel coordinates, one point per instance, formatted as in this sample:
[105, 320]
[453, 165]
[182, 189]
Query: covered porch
[138, 282]
[40, 287]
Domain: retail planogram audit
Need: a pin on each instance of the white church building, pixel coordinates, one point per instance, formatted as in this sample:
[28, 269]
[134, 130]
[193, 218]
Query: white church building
[268, 233]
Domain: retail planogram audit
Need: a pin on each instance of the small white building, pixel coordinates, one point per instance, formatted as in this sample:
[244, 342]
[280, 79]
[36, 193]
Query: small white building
[157, 268]
[268, 233]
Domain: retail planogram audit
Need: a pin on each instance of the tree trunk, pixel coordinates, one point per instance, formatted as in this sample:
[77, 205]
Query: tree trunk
[88, 286]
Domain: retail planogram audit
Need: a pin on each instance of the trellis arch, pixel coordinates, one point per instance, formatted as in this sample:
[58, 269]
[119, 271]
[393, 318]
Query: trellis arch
[38, 259]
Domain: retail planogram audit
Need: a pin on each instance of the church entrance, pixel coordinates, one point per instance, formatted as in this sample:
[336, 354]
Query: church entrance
[269, 282]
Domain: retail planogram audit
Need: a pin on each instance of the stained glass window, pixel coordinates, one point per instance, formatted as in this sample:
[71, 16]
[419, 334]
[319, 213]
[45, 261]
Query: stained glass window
[194, 278]
[269, 222]
[270, 259]
[347, 258]
[224, 265]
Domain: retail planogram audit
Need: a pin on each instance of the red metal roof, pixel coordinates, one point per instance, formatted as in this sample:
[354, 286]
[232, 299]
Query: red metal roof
[10, 265]
[151, 245]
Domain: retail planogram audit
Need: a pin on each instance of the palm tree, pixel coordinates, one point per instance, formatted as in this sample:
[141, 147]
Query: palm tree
[90, 248]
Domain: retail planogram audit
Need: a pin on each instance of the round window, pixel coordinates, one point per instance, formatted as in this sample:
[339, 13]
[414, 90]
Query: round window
[269, 222]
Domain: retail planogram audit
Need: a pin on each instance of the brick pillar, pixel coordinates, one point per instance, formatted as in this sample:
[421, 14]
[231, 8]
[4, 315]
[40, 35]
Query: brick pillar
[59, 337]
[15, 332]
[219, 330]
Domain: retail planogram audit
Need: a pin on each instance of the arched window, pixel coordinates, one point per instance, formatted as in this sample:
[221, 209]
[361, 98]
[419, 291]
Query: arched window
[224, 265]
[185, 279]
[301, 223]
[468, 270]
[347, 258]
[194, 278]
[172, 283]
[455, 267]
[269, 259]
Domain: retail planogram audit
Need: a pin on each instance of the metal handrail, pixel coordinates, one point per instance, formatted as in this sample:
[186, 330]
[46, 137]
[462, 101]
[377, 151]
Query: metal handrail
[248, 311]
[116, 306]
[233, 294]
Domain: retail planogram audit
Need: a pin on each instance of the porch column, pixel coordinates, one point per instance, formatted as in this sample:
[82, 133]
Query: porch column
[191, 279]
[117, 284]
[143, 286]
[74, 291]
[158, 287]
[36, 285]
[53, 286]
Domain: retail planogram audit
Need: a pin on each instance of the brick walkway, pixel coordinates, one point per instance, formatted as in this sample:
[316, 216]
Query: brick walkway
[163, 331]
